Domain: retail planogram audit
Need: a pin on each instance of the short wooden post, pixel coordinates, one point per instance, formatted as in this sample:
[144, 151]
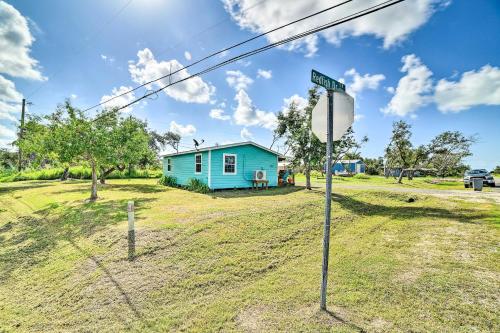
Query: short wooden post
[131, 230]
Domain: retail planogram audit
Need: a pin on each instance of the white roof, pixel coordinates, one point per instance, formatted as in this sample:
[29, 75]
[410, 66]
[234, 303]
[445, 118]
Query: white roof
[222, 147]
[349, 161]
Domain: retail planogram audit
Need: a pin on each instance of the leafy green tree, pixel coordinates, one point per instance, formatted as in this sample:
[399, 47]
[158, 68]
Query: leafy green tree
[374, 166]
[294, 126]
[448, 150]
[8, 159]
[74, 137]
[129, 140]
[402, 154]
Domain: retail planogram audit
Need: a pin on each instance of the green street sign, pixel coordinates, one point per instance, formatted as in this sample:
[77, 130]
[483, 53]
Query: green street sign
[327, 82]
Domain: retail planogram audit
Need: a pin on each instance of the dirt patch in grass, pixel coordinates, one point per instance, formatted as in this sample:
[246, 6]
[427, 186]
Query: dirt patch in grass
[253, 319]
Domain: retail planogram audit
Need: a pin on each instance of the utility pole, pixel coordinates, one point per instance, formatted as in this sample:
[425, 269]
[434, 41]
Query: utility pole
[20, 137]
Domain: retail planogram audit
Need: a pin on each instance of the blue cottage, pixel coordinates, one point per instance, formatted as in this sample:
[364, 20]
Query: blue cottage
[224, 166]
[348, 167]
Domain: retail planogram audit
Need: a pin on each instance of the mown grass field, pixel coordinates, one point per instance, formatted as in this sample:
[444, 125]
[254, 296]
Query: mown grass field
[416, 182]
[244, 261]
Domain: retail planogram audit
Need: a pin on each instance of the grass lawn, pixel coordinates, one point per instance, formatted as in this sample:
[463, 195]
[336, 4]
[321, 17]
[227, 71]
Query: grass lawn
[416, 182]
[243, 260]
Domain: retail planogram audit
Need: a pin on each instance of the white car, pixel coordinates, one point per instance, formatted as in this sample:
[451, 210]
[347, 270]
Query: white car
[478, 173]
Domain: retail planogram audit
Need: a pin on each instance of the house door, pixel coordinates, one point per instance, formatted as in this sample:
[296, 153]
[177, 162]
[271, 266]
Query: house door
[358, 168]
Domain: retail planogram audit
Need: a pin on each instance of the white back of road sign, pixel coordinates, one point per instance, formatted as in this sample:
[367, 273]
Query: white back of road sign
[343, 115]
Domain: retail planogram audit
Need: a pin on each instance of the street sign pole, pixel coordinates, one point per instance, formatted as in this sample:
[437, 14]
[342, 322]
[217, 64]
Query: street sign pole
[328, 199]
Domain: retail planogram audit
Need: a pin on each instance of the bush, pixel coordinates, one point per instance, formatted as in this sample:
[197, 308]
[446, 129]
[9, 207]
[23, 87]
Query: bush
[361, 176]
[196, 185]
[168, 181]
[317, 174]
[76, 172]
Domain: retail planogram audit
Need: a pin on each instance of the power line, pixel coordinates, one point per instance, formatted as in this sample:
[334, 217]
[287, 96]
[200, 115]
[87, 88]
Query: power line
[345, 19]
[220, 52]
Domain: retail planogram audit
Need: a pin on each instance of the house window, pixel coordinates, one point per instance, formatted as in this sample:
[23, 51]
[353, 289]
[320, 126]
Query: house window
[229, 164]
[197, 163]
[169, 164]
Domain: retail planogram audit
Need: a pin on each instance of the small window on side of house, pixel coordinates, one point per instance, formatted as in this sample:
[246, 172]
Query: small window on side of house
[169, 164]
[197, 163]
[229, 164]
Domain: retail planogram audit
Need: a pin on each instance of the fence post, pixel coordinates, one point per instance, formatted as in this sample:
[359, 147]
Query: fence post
[131, 230]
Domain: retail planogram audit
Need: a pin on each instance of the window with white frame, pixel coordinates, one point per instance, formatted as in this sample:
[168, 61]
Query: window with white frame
[197, 163]
[169, 164]
[229, 164]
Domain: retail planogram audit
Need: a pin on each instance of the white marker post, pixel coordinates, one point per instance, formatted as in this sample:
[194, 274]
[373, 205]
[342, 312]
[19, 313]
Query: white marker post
[131, 230]
[327, 130]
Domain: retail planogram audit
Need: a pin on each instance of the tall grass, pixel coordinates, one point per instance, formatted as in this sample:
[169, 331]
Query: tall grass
[76, 172]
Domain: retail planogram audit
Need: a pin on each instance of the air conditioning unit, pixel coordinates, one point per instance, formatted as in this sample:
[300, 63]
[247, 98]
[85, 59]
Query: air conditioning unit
[259, 175]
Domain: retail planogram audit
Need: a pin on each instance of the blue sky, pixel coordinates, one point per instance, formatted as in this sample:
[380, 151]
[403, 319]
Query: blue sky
[433, 63]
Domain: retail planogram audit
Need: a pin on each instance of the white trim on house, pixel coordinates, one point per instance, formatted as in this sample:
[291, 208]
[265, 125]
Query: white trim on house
[201, 164]
[224, 165]
[210, 169]
[222, 147]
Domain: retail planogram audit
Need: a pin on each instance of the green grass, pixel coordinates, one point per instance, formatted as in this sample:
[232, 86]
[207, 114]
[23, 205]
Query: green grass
[417, 182]
[243, 260]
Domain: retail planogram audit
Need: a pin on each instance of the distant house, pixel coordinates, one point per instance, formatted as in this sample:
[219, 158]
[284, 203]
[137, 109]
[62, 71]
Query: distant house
[224, 166]
[351, 167]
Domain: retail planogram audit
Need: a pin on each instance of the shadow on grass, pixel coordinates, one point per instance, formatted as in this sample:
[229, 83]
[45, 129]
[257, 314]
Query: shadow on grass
[134, 188]
[23, 186]
[33, 237]
[103, 269]
[343, 321]
[405, 209]
[242, 193]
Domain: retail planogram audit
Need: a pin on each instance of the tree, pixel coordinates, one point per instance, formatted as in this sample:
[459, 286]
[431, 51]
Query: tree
[74, 137]
[448, 151]
[129, 143]
[401, 153]
[172, 139]
[374, 165]
[294, 126]
[8, 159]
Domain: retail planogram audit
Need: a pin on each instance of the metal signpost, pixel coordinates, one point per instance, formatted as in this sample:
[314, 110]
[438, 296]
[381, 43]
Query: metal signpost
[344, 118]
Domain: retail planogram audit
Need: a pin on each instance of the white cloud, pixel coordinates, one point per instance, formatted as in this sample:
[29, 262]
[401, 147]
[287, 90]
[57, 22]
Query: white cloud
[246, 134]
[8, 92]
[7, 135]
[187, 55]
[15, 45]
[265, 74]
[238, 80]
[219, 114]
[188, 130]
[107, 58]
[358, 117]
[410, 16]
[413, 89]
[9, 111]
[120, 101]
[299, 101]
[360, 83]
[147, 68]
[247, 114]
[474, 88]
[73, 96]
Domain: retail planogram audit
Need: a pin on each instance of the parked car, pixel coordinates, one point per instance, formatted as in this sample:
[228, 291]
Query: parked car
[478, 173]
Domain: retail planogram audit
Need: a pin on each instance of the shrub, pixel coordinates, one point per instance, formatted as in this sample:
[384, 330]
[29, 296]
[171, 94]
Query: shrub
[317, 174]
[168, 181]
[361, 176]
[196, 185]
